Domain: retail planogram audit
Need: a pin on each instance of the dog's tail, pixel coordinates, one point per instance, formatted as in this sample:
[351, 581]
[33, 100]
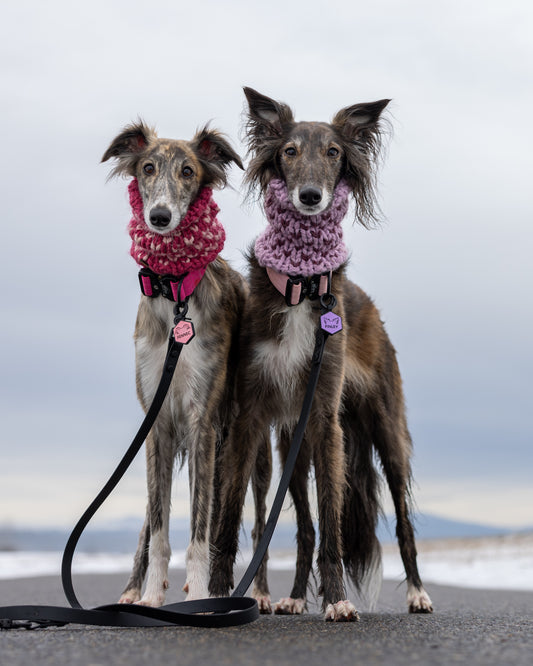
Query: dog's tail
[361, 510]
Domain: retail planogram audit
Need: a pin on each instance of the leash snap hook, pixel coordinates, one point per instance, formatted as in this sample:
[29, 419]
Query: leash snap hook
[16, 624]
[180, 311]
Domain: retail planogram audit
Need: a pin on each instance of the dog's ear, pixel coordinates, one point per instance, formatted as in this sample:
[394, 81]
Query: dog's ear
[128, 146]
[265, 127]
[360, 128]
[360, 121]
[266, 116]
[216, 155]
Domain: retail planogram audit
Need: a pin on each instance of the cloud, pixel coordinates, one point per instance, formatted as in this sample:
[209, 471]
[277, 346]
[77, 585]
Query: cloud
[450, 268]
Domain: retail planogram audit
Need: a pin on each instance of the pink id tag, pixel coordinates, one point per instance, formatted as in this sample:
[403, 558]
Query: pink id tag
[184, 331]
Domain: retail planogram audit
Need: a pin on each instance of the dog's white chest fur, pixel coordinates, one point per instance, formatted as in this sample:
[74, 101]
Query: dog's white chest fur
[280, 362]
[191, 371]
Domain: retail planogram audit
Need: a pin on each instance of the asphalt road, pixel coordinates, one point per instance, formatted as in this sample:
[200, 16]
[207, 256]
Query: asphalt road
[468, 626]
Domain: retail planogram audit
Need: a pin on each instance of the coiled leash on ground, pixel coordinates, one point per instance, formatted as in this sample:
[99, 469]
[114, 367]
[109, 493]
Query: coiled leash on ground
[217, 612]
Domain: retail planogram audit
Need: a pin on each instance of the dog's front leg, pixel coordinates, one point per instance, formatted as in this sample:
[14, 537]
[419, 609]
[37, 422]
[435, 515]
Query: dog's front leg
[305, 537]
[327, 444]
[132, 591]
[159, 462]
[201, 476]
[261, 477]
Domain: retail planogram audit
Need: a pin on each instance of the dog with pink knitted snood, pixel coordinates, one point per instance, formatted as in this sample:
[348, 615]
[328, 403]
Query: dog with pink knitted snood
[176, 239]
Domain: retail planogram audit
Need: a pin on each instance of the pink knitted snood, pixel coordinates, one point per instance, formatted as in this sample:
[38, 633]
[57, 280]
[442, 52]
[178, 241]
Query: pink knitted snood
[298, 244]
[196, 241]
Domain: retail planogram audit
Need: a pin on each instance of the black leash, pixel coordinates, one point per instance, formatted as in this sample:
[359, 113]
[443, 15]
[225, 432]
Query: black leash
[217, 612]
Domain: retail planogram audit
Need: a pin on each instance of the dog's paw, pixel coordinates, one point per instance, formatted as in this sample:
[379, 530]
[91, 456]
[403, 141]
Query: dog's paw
[154, 598]
[264, 604]
[131, 596]
[195, 591]
[418, 601]
[290, 606]
[152, 602]
[342, 611]
[263, 600]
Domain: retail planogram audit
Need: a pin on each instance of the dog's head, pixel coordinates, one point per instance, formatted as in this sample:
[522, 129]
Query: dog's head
[312, 157]
[170, 173]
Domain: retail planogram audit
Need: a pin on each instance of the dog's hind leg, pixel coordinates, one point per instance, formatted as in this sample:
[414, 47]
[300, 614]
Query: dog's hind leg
[361, 548]
[261, 477]
[132, 591]
[393, 442]
[237, 458]
[305, 537]
[160, 463]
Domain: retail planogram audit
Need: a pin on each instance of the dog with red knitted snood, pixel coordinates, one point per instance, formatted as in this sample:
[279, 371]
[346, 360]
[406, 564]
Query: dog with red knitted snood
[308, 172]
[176, 239]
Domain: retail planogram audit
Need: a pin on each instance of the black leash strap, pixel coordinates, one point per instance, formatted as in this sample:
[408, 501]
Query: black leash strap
[218, 612]
[208, 613]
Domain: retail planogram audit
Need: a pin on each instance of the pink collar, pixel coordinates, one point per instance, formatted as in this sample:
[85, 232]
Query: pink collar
[174, 288]
[295, 289]
[186, 251]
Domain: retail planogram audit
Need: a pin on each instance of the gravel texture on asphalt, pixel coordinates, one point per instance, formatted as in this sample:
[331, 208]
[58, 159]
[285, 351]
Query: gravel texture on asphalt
[468, 626]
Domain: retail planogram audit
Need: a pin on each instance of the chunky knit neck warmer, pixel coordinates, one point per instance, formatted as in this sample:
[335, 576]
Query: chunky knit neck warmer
[196, 241]
[298, 244]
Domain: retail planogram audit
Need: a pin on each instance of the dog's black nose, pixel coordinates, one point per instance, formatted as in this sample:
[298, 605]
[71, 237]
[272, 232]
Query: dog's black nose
[310, 196]
[160, 216]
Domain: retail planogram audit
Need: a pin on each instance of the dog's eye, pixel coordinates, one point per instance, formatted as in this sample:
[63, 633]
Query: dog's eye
[291, 152]
[333, 152]
[149, 169]
[187, 172]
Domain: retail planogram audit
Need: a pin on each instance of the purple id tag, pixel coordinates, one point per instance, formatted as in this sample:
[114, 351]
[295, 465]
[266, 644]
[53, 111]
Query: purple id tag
[331, 323]
[184, 331]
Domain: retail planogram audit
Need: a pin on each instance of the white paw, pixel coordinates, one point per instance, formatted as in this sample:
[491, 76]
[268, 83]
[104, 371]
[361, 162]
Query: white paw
[342, 611]
[418, 601]
[130, 596]
[196, 584]
[195, 590]
[263, 602]
[153, 602]
[289, 606]
[154, 598]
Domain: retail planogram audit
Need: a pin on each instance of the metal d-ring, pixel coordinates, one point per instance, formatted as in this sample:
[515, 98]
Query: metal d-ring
[328, 302]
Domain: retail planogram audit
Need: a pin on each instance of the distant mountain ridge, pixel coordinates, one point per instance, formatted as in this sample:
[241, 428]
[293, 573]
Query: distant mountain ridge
[122, 536]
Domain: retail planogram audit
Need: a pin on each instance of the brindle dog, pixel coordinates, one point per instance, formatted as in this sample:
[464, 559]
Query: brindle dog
[358, 409]
[196, 411]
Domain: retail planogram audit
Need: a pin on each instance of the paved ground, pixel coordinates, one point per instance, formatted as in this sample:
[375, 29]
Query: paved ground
[468, 627]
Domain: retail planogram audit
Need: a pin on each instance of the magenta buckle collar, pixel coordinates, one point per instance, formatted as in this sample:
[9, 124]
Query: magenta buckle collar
[174, 288]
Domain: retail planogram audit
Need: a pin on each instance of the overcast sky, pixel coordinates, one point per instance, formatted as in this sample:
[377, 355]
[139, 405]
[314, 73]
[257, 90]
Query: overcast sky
[450, 269]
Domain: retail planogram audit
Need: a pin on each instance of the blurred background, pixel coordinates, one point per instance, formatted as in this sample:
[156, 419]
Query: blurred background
[449, 268]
